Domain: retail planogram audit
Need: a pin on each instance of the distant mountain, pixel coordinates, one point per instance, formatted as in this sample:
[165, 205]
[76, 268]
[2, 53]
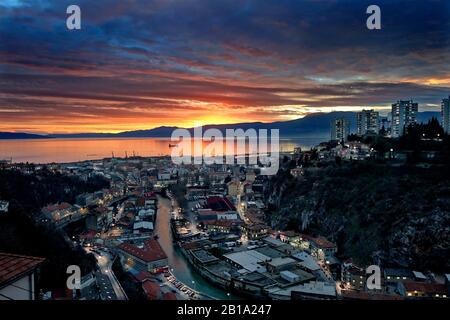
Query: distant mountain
[314, 125]
[20, 135]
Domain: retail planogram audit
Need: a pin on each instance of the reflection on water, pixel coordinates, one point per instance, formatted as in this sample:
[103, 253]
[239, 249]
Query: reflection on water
[177, 262]
[72, 150]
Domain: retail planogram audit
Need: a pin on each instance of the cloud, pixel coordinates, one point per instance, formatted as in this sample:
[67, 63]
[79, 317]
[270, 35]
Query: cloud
[148, 63]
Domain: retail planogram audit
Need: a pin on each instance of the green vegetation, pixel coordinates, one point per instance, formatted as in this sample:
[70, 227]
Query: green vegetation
[132, 288]
[376, 211]
[19, 234]
[400, 215]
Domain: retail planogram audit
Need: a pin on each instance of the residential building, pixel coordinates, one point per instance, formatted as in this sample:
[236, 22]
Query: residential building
[320, 247]
[413, 289]
[297, 172]
[18, 276]
[149, 257]
[385, 122]
[289, 236]
[398, 275]
[58, 211]
[353, 276]
[223, 225]
[233, 188]
[255, 231]
[404, 113]
[340, 129]
[367, 121]
[445, 114]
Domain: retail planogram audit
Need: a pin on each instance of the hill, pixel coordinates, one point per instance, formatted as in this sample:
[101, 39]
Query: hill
[315, 124]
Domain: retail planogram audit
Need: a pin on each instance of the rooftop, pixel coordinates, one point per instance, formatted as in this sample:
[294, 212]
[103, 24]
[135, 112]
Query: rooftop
[391, 272]
[55, 207]
[307, 261]
[281, 261]
[317, 288]
[273, 242]
[203, 256]
[220, 204]
[430, 288]
[151, 251]
[365, 295]
[13, 266]
[169, 296]
[321, 242]
[151, 289]
[249, 259]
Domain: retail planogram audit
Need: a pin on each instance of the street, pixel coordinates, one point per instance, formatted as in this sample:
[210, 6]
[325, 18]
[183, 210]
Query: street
[110, 288]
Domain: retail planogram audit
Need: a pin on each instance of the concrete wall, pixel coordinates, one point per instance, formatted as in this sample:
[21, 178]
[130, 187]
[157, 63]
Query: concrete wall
[21, 289]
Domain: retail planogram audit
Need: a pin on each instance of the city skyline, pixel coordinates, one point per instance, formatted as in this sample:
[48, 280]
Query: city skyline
[140, 65]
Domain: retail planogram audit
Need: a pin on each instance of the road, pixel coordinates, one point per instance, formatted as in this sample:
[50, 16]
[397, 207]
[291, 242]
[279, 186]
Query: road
[110, 288]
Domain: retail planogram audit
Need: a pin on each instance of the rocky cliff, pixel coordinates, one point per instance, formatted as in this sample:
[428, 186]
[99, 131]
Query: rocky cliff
[395, 216]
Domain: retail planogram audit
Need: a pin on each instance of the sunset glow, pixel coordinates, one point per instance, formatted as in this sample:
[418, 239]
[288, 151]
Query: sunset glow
[143, 64]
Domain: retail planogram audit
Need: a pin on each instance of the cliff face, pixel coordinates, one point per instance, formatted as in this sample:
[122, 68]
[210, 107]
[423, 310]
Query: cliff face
[376, 213]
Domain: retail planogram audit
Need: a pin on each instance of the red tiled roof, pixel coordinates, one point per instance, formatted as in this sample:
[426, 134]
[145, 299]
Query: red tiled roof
[54, 207]
[151, 289]
[430, 288]
[189, 245]
[143, 275]
[363, 295]
[101, 210]
[355, 270]
[150, 195]
[140, 201]
[13, 266]
[151, 251]
[220, 204]
[88, 235]
[223, 223]
[319, 241]
[169, 296]
[289, 233]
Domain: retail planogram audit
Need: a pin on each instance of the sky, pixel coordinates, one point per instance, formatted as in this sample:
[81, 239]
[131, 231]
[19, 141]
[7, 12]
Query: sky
[143, 64]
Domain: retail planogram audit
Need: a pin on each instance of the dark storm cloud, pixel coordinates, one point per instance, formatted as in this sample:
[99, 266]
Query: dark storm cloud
[259, 55]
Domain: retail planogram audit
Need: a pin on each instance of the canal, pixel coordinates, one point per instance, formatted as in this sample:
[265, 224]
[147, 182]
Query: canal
[181, 268]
